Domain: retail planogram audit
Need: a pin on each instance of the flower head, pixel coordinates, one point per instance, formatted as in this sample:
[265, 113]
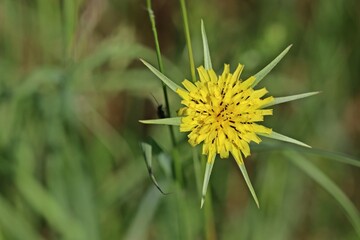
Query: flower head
[223, 112]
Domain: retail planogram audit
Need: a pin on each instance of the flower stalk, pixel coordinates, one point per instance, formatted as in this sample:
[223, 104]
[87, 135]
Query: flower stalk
[161, 66]
[188, 39]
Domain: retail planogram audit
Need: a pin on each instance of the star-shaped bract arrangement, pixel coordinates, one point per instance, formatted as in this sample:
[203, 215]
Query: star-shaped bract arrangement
[223, 113]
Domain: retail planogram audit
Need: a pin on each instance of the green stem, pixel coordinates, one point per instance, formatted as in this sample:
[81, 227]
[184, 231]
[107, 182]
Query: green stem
[177, 166]
[63, 31]
[209, 224]
[188, 40]
[210, 233]
[161, 67]
[197, 169]
[175, 153]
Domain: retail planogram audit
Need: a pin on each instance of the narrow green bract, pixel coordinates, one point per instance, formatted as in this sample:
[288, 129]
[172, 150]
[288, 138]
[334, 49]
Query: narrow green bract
[207, 58]
[173, 86]
[224, 112]
[280, 137]
[176, 121]
[260, 75]
[279, 100]
[208, 170]
[248, 183]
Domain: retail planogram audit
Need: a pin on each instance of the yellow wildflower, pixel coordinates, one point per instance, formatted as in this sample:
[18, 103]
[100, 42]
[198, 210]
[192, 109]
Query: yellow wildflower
[223, 112]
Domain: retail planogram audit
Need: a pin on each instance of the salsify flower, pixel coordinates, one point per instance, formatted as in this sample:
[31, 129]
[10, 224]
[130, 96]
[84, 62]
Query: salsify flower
[224, 112]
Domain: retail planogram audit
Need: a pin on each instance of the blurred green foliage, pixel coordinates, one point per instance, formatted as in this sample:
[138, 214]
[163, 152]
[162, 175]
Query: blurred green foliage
[72, 92]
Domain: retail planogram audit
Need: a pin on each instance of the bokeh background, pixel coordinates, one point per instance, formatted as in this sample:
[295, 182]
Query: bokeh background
[72, 91]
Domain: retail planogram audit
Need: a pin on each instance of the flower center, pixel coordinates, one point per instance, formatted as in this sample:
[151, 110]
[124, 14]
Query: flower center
[221, 115]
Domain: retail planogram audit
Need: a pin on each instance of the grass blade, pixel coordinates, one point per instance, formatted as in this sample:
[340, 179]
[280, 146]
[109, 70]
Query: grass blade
[173, 86]
[280, 100]
[316, 174]
[323, 154]
[43, 203]
[147, 150]
[260, 75]
[207, 58]
[280, 137]
[14, 223]
[339, 157]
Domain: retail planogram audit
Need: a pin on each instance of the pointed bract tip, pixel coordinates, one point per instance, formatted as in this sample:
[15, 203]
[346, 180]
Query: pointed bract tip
[314, 93]
[287, 49]
[202, 202]
[304, 144]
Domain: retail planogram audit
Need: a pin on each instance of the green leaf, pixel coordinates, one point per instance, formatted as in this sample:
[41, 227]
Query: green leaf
[176, 121]
[208, 170]
[316, 174]
[165, 164]
[334, 156]
[46, 205]
[207, 58]
[156, 148]
[173, 86]
[147, 150]
[260, 75]
[278, 136]
[42, 201]
[279, 100]
[248, 183]
[339, 157]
